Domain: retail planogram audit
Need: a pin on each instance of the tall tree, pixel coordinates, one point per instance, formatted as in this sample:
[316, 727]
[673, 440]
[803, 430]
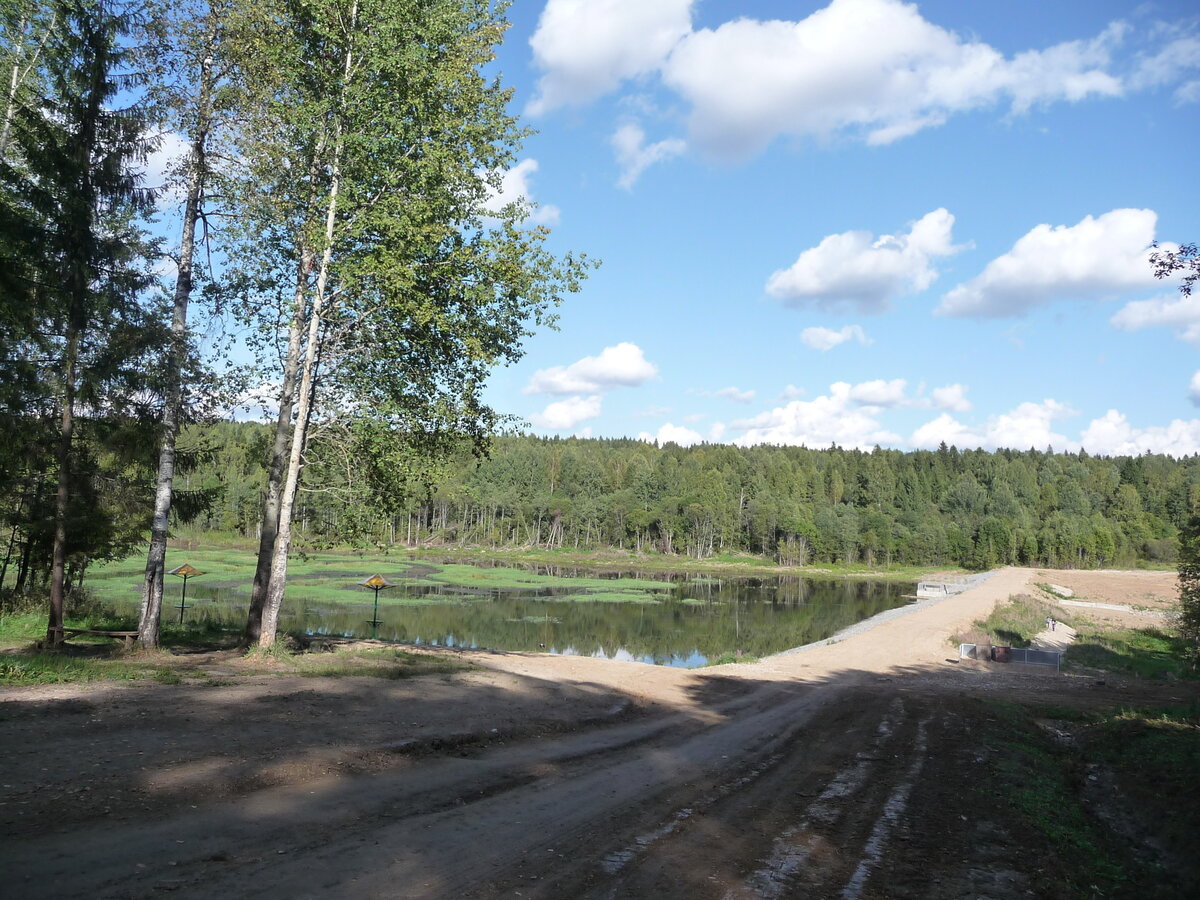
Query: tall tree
[76, 185]
[191, 81]
[1189, 588]
[417, 287]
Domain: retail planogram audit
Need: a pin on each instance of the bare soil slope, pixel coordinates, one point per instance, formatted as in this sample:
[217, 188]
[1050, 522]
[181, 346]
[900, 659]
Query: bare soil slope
[852, 769]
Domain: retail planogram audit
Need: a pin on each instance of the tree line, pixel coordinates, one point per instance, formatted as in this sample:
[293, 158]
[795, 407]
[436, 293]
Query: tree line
[798, 506]
[333, 199]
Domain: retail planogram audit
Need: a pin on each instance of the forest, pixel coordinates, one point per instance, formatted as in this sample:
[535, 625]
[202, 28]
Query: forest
[794, 505]
[218, 205]
[207, 201]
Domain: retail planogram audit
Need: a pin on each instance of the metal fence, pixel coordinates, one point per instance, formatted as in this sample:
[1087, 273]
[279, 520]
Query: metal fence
[1023, 655]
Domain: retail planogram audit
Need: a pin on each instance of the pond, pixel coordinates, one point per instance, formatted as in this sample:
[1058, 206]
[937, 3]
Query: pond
[675, 620]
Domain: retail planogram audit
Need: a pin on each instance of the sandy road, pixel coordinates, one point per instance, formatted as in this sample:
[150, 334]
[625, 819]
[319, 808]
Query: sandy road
[822, 773]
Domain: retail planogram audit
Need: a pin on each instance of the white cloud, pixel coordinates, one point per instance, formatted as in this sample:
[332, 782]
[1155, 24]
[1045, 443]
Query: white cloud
[1112, 435]
[818, 422]
[1194, 389]
[1188, 92]
[880, 393]
[716, 432]
[635, 156]
[1173, 60]
[161, 169]
[622, 365]
[515, 187]
[564, 414]
[857, 269]
[1182, 313]
[1098, 258]
[952, 397]
[791, 392]
[826, 338]
[873, 68]
[944, 428]
[673, 434]
[1029, 425]
[587, 47]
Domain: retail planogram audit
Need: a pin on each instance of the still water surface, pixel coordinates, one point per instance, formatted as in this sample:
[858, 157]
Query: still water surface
[698, 620]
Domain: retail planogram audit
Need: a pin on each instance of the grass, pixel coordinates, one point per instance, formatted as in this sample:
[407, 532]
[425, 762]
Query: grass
[727, 658]
[332, 578]
[62, 668]
[1036, 779]
[648, 562]
[81, 663]
[1015, 623]
[1141, 652]
[377, 663]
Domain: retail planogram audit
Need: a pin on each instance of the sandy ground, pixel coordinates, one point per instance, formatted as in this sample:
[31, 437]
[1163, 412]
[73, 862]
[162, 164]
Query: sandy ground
[835, 771]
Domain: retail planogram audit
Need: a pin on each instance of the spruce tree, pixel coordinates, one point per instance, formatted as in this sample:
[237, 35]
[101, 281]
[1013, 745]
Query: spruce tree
[74, 201]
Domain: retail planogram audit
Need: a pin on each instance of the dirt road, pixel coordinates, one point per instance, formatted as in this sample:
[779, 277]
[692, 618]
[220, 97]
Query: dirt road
[844, 770]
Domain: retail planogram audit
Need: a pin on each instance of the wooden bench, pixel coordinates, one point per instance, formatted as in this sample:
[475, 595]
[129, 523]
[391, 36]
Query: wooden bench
[128, 637]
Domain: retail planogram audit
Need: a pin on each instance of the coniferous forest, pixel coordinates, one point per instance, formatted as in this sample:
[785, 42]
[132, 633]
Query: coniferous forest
[793, 505]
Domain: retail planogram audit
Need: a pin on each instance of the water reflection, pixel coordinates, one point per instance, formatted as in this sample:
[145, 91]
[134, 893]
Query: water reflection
[700, 619]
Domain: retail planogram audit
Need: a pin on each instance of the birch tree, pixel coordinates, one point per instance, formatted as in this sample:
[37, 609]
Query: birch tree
[190, 85]
[408, 288]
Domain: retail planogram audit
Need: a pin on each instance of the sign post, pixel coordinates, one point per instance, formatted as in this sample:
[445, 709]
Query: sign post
[185, 572]
[376, 583]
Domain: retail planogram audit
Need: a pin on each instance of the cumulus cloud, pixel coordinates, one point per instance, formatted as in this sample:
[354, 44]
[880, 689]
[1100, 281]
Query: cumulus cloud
[585, 48]
[1097, 258]
[1112, 435]
[857, 269]
[791, 392]
[952, 397]
[564, 414]
[515, 187]
[880, 393]
[634, 155]
[673, 434]
[1181, 313]
[872, 68]
[1028, 425]
[623, 365]
[826, 338]
[831, 419]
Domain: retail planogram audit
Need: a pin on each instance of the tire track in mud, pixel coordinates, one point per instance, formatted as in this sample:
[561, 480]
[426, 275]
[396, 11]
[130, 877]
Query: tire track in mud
[563, 791]
[827, 808]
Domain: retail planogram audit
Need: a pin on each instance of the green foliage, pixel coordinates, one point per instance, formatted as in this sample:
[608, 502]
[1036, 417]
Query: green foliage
[1189, 589]
[729, 504]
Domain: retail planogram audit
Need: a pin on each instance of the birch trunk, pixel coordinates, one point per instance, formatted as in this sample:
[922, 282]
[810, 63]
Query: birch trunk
[269, 526]
[150, 618]
[305, 396]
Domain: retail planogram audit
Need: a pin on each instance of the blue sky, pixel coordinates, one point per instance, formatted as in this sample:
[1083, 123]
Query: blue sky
[862, 222]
